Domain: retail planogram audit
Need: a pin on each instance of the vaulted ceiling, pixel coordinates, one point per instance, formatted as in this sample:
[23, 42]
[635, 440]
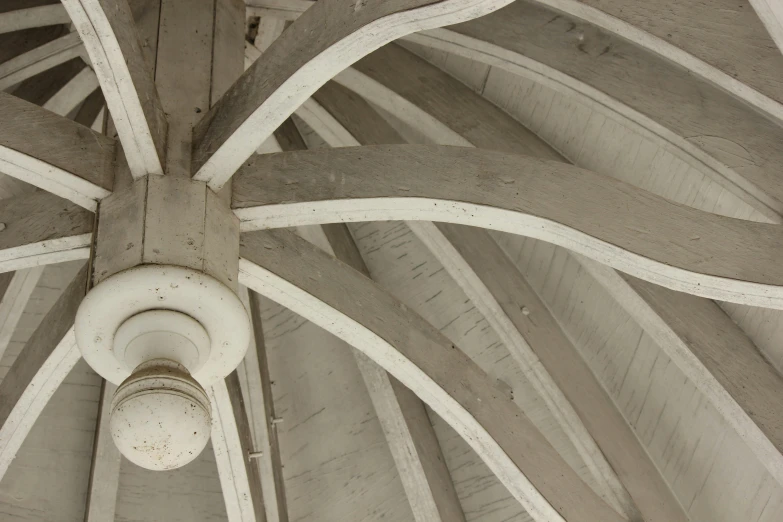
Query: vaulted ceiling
[668, 406]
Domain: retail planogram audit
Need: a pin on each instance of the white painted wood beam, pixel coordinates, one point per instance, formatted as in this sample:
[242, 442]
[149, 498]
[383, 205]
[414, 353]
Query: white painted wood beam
[363, 121]
[109, 34]
[325, 40]
[40, 16]
[693, 332]
[38, 371]
[583, 75]
[612, 222]
[15, 298]
[714, 353]
[37, 60]
[40, 229]
[105, 467]
[313, 284]
[254, 375]
[55, 153]
[484, 272]
[409, 433]
[232, 442]
[771, 14]
[73, 93]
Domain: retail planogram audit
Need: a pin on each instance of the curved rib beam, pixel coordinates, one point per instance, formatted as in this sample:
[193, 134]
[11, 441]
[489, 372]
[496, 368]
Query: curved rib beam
[652, 25]
[38, 60]
[45, 362]
[714, 353]
[328, 38]
[109, 35]
[55, 153]
[605, 219]
[299, 276]
[40, 16]
[361, 120]
[40, 229]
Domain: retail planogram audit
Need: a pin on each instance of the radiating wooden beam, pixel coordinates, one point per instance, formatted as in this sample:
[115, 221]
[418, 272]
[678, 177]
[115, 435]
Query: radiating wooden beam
[18, 289]
[409, 433]
[109, 34]
[38, 371]
[54, 153]
[313, 284]
[610, 221]
[73, 93]
[567, 56]
[326, 39]
[105, 466]
[30, 17]
[38, 60]
[232, 442]
[714, 353]
[41, 229]
[771, 14]
[262, 416]
[468, 252]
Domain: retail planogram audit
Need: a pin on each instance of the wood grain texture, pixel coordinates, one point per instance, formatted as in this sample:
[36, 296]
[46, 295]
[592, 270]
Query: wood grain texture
[628, 229]
[49, 356]
[771, 14]
[41, 229]
[708, 118]
[39, 59]
[316, 286]
[325, 40]
[18, 289]
[39, 16]
[105, 467]
[412, 441]
[692, 443]
[54, 153]
[358, 117]
[693, 35]
[715, 355]
[109, 34]
[535, 322]
[405, 423]
[259, 391]
[232, 443]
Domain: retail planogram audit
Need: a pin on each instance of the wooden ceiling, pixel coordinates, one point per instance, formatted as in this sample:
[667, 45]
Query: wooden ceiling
[661, 124]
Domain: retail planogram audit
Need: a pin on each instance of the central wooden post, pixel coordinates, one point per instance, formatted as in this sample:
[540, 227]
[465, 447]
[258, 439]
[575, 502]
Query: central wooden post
[195, 48]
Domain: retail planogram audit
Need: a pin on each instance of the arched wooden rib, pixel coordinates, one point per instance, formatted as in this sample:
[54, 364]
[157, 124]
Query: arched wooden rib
[409, 433]
[19, 288]
[38, 371]
[40, 16]
[38, 60]
[55, 153]
[605, 219]
[480, 276]
[110, 37]
[313, 284]
[702, 340]
[701, 52]
[771, 14]
[714, 354]
[707, 117]
[41, 229]
[329, 37]
[73, 93]
[105, 466]
[232, 443]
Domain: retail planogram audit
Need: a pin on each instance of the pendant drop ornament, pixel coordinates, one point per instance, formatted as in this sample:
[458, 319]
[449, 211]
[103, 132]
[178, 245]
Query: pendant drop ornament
[163, 334]
[160, 416]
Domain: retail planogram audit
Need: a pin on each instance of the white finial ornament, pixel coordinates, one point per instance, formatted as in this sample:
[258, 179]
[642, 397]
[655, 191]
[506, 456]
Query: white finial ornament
[163, 334]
